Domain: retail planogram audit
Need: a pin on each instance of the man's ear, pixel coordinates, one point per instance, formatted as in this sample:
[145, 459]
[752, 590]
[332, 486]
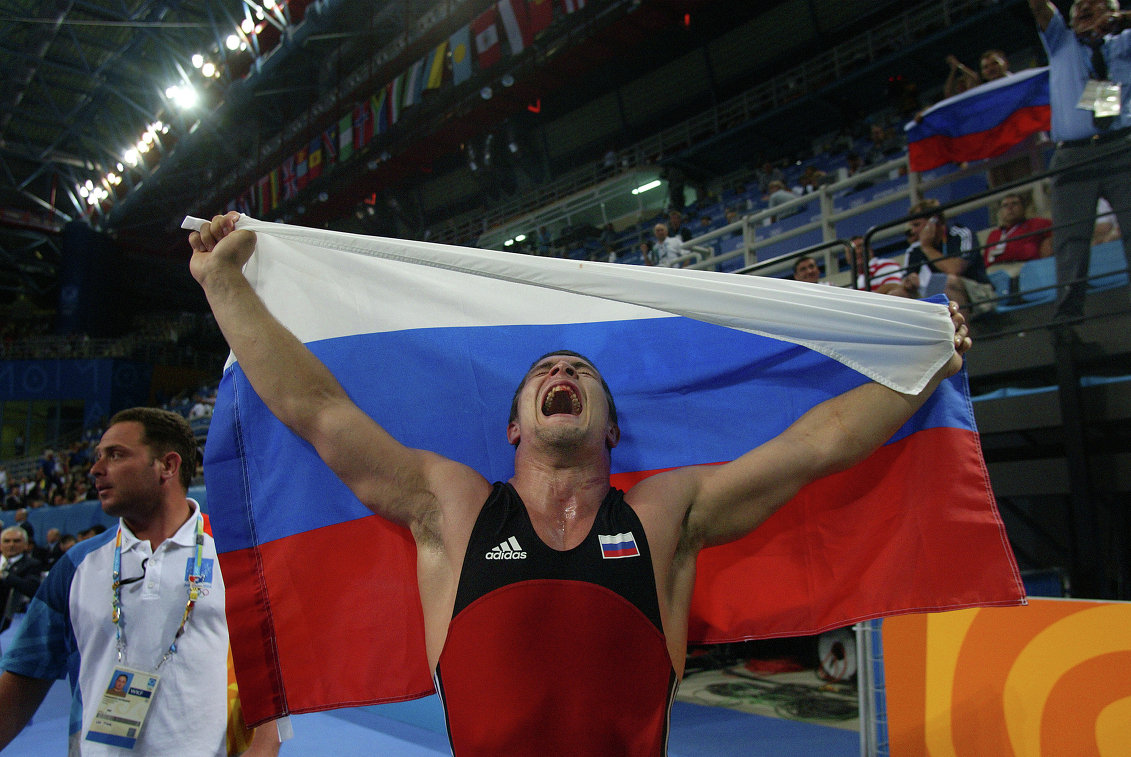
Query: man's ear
[170, 465]
[512, 433]
[612, 436]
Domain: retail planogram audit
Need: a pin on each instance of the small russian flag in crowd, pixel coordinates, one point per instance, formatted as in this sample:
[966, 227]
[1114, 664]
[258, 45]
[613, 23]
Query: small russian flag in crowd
[618, 545]
[431, 341]
[981, 122]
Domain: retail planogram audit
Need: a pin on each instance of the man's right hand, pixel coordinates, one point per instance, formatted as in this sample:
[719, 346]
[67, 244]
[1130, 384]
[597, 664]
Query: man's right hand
[218, 246]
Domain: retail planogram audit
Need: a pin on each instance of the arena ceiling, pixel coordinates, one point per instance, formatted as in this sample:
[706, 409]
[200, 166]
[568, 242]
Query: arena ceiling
[83, 81]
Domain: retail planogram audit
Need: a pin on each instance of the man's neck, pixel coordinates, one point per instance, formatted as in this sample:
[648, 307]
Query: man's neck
[163, 523]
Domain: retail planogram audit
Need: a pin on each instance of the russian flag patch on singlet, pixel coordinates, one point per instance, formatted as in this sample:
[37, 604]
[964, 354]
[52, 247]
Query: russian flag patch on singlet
[618, 545]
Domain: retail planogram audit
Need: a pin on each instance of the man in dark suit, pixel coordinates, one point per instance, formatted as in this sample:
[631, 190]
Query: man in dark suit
[19, 572]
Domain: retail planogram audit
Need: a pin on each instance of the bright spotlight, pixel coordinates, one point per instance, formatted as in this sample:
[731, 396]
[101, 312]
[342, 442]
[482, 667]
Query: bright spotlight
[185, 97]
[208, 70]
[197, 60]
[232, 42]
[247, 25]
[645, 187]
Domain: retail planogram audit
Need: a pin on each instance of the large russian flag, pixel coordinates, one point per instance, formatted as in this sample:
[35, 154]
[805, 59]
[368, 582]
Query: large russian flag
[432, 341]
[981, 122]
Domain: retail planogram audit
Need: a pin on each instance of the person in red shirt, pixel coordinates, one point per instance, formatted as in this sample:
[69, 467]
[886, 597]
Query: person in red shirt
[1017, 238]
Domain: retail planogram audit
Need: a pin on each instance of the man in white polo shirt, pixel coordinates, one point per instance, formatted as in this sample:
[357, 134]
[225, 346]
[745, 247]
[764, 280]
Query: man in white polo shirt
[143, 602]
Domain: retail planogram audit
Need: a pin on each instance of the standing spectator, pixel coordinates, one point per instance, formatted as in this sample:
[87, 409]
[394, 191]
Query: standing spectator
[1016, 238]
[676, 229]
[1097, 50]
[950, 251]
[666, 249]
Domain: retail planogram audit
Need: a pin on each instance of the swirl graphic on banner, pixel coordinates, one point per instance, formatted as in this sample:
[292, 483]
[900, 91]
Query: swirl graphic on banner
[1049, 679]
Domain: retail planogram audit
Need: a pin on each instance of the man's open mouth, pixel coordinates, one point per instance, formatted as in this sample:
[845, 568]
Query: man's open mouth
[561, 400]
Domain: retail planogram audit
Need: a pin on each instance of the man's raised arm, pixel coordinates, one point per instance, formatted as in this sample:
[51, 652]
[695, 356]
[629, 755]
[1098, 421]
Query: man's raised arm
[1042, 11]
[726, 502]
[394, 481]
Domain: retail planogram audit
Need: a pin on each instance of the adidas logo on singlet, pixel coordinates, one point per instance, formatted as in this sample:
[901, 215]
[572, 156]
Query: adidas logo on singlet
[508, 550]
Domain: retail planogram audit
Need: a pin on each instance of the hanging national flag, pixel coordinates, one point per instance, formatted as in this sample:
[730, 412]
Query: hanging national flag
[290, 180]
[263, 194]
[414, 83]
[540, 14]
[301, 177]
[461, 55]
[362, 125]
[513, 16]
[486, 33]
[869, 541]
[379, 111]
[345, 137]
[981, 122]
[435, 67]
[274, 187]
[396, 96]
[330, 146]
[314, 160]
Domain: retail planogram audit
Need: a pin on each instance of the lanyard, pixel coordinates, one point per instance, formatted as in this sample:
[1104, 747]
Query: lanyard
[194, 579]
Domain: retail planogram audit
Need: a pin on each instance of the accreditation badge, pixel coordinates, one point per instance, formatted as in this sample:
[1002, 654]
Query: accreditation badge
[1103, 98]
[124, 706]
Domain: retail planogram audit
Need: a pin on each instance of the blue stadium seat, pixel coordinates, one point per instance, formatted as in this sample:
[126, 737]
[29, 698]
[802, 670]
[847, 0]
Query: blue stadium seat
[1040, 275]
[1109, 265]
[1007, 300]
[774, 249]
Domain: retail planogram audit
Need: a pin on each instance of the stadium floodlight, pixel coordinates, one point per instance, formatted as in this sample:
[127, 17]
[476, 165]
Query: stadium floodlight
[232, 42]
[184, 95]
[197, 60]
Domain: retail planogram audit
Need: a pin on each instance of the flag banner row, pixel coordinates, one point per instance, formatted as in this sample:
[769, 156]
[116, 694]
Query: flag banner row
[450, 63]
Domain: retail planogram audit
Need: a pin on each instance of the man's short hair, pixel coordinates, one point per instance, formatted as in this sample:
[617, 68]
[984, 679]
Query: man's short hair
[797, 263]
[163, 432]
[993, 53]
[1015, 195]
[926, 208]
[568, 353]
[16, 530]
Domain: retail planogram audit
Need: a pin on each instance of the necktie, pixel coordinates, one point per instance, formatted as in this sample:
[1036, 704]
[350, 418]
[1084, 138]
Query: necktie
[1099, 66]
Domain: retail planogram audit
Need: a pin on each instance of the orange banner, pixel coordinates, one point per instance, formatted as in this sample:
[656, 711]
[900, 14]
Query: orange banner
[1049, 679]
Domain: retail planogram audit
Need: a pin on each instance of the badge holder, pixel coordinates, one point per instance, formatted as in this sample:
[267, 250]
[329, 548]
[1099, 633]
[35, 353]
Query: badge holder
[124, 707]
[1103, 98]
